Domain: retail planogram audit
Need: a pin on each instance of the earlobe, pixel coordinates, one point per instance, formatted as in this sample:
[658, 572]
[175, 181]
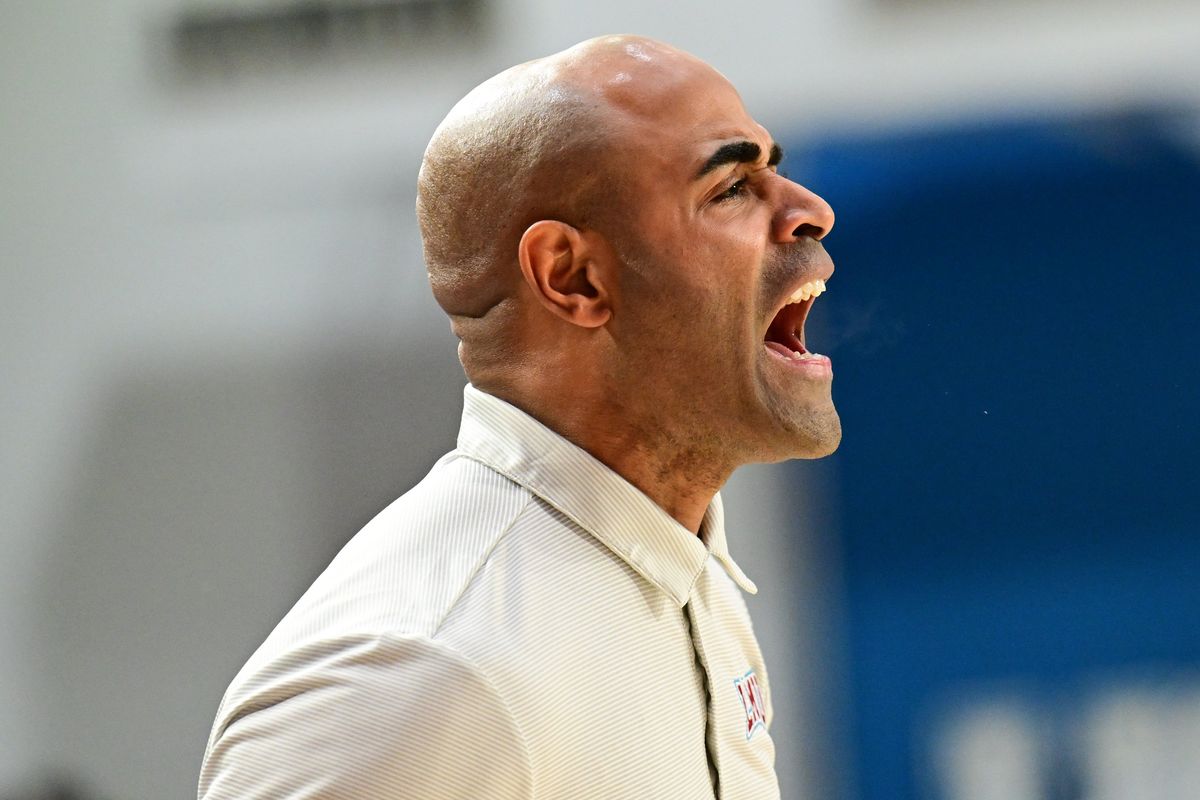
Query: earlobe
[559, 267]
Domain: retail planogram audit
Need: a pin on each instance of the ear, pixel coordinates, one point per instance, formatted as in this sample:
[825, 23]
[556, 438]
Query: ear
[561, 267]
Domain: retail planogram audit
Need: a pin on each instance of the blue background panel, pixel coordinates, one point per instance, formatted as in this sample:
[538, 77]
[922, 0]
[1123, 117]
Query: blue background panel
[1014, 327]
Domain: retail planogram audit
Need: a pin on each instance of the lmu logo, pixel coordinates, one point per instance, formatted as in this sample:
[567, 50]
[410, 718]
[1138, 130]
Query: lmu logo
[752, 701]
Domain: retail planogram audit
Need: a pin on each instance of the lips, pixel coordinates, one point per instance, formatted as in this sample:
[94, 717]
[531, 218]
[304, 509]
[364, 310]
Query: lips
[785, 335]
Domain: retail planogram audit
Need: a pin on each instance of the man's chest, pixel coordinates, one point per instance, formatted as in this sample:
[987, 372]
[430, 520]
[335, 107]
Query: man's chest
[621, 693]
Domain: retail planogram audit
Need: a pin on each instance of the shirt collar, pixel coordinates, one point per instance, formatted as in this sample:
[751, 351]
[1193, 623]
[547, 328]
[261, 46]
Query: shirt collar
[613, 510]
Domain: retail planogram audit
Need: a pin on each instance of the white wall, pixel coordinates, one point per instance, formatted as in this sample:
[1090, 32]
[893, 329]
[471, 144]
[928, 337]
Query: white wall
[219, 355]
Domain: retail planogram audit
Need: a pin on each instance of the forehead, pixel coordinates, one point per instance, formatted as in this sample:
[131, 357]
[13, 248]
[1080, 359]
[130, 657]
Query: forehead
[676, 117]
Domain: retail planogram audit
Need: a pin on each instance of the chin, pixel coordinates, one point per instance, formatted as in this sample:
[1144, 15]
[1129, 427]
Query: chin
[820, 449]
[813, 435]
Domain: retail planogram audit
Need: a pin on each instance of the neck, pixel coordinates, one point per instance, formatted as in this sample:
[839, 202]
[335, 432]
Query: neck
[672, 470]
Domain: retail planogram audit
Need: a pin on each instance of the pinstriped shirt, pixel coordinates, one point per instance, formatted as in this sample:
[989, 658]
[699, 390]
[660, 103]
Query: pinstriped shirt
[524, 623]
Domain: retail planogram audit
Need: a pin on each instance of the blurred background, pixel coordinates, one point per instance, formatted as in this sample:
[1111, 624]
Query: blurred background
[220, 358]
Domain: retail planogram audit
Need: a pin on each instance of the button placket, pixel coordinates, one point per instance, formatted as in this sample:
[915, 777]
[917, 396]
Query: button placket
[740, 750]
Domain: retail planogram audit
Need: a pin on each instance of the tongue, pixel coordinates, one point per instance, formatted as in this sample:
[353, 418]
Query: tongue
[788, 326]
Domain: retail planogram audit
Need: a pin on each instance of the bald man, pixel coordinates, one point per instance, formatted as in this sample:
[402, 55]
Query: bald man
[553, 611]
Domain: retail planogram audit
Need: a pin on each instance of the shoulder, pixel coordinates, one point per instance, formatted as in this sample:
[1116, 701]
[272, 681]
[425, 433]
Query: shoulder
[352, 694]
[367, 716]
[402, 573]
[398, 578]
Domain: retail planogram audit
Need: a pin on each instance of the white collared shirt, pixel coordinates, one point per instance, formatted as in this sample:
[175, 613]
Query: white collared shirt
[524, 623]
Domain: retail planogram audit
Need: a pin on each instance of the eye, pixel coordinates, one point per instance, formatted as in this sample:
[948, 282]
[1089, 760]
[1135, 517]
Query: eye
[732, 193]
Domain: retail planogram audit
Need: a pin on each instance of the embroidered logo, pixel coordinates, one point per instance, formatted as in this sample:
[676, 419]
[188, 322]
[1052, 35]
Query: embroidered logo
[752, 701]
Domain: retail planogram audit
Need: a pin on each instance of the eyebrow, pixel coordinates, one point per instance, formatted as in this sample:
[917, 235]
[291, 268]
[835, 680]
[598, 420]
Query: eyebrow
[743, 152]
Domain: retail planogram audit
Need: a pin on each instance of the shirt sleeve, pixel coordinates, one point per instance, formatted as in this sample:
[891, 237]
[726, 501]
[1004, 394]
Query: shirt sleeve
[372, 717]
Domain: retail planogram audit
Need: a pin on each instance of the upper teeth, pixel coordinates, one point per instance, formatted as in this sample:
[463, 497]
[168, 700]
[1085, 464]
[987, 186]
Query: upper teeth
[810, 289]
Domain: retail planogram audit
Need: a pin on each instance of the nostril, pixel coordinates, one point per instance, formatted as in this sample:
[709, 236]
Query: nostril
[807, 229]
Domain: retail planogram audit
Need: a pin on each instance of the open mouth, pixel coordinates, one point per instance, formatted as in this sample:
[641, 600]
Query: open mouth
[785, 336]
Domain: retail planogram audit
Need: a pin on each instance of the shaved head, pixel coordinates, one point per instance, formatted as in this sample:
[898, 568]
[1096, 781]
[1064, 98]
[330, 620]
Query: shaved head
[513, 151]
[536, 142]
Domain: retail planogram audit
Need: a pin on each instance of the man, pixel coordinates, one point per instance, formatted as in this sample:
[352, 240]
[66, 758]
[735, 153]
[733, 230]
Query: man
[553, 612]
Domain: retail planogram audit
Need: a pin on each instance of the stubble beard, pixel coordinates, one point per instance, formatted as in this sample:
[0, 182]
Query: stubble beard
[758, 420]
[807, 428]
[801, 420]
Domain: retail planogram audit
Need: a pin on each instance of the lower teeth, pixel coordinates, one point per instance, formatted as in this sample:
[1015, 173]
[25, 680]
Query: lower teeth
[798, 356]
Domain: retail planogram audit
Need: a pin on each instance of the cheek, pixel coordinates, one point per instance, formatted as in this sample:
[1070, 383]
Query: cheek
[696, 283]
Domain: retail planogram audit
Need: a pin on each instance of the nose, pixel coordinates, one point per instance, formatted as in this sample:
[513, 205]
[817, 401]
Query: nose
[801, 213]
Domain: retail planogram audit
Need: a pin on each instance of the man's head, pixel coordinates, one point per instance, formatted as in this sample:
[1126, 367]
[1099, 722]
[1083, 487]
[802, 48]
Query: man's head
[608, 232]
